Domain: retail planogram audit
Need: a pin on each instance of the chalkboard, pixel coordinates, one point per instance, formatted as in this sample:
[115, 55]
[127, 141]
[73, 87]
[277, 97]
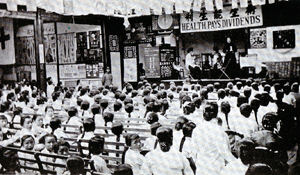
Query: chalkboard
[152, 63]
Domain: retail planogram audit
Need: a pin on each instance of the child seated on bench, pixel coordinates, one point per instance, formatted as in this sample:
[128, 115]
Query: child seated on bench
[96, 145]
[27, 143]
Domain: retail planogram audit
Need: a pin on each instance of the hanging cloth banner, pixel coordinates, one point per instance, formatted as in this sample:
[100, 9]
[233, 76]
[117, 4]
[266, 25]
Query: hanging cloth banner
[203, 22]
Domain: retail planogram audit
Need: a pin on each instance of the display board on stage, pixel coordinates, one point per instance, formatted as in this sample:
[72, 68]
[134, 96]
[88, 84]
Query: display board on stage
[281, 69]
[130, 63]
[167, 58]
[152, 62]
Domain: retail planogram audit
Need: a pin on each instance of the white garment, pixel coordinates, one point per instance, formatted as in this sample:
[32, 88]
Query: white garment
[135, 159]
[172, 162]
[189, 61]
[243, 125]
[234, 168]
[212, 148]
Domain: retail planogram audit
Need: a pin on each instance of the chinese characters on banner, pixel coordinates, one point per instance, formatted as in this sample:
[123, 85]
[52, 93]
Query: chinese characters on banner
[226, 20]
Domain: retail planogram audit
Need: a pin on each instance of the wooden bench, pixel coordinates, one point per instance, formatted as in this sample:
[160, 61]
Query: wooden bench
[37, 159]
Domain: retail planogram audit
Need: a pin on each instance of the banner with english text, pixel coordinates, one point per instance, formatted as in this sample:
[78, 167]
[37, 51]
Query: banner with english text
[226, 19]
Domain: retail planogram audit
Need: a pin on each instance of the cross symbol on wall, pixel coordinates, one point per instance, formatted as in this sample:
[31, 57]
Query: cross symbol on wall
[3, 37]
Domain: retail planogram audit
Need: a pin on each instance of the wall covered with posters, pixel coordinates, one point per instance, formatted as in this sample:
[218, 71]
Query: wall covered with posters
[78, 46]
[281, 44]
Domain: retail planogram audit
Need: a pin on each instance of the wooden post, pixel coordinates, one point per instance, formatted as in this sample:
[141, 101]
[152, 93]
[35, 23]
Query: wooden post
[38, 40]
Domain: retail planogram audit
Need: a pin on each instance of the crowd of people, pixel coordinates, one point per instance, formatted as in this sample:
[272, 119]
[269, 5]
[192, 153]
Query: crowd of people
[245, 128]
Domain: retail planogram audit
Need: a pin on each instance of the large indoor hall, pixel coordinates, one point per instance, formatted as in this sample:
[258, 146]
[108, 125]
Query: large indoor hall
[131, 87]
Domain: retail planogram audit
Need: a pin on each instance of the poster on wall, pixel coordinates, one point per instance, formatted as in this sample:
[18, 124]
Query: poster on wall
[116, 69]
[92, 71]
[72, 71]
[95, 55]
[50, 48]
[25, 50]
[81, 38]
[66, 48]
[130, 75]
[152, 63]
[284, 39]
[130, 52]
[114, 43]
[258, 38]
[95, 39]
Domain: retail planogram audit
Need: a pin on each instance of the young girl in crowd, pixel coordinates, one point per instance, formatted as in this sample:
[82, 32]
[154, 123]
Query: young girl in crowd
[37, 126]
[73, 119]
[49, 113]
[55, 125]
[27, 143]
[96, 145]
[88, 133]
[61, 148]
[132, 155]
[49, 140]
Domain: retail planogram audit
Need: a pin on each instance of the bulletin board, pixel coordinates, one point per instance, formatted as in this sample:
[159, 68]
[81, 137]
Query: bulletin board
[150, 55]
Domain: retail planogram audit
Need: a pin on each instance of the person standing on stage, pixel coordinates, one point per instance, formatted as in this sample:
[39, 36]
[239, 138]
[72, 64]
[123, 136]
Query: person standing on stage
[107, 78]
[190, 65]
[217, 62]
[230, 60]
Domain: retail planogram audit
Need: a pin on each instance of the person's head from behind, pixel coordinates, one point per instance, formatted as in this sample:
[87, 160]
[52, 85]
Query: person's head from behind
[180, 121]
[245, 150]
[75, 165]
[123, 169]
[255, 104]
[133, 141]
[117, 128]
[286, 88]
[89, 125]
[85, 105]
[62, 147]
[38, 120]
[151, 118]
[188, 108]
[190, 50]
[269, 121]
[55, 123]
[49, 140]
[279, 95]
[247, 92]
[95, 109]
[197, 102]
[27, 142]
[225, 107]
[188, 128]
[221, 94]
[72, 111]
[26, 122]
[96, 145]
[210, 111]
[165, 138]
[245, 110]
[153, 128]
[259, 169]
[108, 117]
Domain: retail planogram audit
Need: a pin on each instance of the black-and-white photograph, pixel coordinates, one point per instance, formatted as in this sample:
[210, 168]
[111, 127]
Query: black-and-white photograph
[133, 87]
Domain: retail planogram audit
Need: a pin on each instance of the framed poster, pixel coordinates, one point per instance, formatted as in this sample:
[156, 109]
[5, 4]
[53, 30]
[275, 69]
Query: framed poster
[95, 39]
[130, 75]
[113, 43]
[92, 70]
[258, 38]
[66, 48]
[81, 40]
[283, 39]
